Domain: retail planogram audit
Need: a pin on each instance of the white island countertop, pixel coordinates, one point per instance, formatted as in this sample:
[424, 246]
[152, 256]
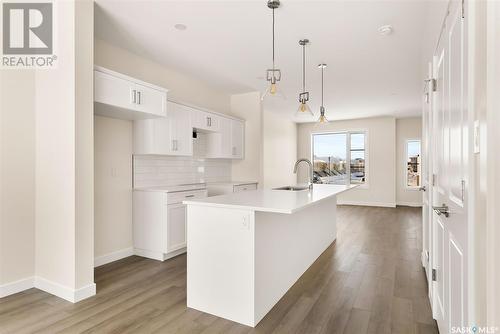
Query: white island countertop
[270, 200]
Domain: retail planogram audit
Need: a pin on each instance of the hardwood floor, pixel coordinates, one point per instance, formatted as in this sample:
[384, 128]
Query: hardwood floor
[370, 281]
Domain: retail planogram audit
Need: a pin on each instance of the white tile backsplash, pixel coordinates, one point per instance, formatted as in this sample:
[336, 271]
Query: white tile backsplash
[154, 170]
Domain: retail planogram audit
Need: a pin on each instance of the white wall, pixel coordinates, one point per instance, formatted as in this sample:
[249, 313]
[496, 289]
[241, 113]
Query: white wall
[280, 150]
[17, 175]
[248, 106]
[406, 128]
[63, 137]
[113, 184]
[381, 189]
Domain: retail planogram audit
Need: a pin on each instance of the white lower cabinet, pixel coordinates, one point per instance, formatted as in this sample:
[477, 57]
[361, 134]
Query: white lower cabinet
[176, 227]
[159, 225]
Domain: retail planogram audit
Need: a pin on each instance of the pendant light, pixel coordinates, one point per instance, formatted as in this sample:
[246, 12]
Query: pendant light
[322, 118]
[273, 75]
[303, 109]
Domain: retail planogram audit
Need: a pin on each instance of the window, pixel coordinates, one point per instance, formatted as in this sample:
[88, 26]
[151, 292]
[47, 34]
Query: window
[339, 158]
[413, 167]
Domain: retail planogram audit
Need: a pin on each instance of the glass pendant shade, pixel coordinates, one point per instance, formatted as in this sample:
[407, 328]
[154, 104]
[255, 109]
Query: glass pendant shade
[273, 90]
[322, 118]
[303, 110]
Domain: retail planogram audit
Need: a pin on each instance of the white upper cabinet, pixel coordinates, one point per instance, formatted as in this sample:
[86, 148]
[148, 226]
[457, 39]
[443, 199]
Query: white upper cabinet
[181, 129]
[237, 139]
[119, 96]
[203, 120]
[219, 143]
[228, 142]
[173, 135]
[165, 136]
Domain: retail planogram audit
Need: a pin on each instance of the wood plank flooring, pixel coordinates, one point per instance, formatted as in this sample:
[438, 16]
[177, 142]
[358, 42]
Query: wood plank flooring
[370, 281]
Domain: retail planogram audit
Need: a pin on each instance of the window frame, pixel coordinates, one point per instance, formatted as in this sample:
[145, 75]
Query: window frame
[405, 164]
[365, 185]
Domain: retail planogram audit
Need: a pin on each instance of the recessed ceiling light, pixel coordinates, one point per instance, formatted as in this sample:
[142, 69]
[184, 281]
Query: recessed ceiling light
[180, 26]
[385, 30]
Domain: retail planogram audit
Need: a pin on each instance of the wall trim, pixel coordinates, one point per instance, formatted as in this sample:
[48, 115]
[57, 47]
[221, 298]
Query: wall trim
[112, 257]
[45, 285]
[159, 256]
[61, 291]
[361, 203]
[414, 204]
[16, 286]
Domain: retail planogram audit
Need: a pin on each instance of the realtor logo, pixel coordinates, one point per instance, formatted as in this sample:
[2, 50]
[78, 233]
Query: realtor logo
[27, 30]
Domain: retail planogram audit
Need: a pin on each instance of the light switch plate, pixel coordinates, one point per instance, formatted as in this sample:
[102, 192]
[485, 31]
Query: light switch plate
[476, 137]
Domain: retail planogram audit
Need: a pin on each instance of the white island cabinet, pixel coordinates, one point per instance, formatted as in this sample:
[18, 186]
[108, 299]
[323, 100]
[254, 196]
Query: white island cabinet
[246, 249]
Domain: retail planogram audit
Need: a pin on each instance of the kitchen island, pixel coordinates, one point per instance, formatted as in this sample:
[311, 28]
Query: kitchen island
[245, 250]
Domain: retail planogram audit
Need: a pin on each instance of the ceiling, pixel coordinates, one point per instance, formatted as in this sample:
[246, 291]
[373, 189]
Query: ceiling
[228, 45]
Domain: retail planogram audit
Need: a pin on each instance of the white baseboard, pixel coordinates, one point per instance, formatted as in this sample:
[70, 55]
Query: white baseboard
[159, 256]
[112, 257]
[377, 204]
[61, 291]
[413, 204]
[53, 288]
[17, 286]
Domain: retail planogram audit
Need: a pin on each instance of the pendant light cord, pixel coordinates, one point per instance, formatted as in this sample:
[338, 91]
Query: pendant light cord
[273, 40]
[303, 68]
[322, 85]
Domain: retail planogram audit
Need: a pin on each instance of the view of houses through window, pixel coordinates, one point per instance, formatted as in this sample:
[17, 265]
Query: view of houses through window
[339, 158]
[413, 167]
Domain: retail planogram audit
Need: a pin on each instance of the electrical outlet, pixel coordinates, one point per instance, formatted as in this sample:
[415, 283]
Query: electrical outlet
[246, 222]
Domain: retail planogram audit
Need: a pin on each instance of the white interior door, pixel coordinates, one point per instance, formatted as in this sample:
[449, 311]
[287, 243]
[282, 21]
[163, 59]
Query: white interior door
[450, 149]
[426, 186]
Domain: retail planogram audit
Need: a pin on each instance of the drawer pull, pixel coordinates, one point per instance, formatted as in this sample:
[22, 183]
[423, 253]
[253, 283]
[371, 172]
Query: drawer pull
[187, 196]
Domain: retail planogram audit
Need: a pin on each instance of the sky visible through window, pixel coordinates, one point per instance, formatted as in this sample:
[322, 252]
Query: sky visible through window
[413, 148]
[330, 145]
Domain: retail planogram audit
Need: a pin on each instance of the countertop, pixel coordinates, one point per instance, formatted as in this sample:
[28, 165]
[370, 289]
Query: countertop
[176, 188]
[267, 200]
[231, 183]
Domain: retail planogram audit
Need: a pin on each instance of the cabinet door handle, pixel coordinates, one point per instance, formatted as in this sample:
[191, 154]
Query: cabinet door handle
[234, 150]
[208, 121]
[134, 96]
[173, 145]
[138, 97]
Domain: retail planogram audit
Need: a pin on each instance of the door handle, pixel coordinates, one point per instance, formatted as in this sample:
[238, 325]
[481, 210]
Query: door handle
[442, 210]
[422, 188]
[138, 97]
[134, 99]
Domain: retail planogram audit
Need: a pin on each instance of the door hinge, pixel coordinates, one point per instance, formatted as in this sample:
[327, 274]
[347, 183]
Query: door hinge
[432, 84]
[434, 275]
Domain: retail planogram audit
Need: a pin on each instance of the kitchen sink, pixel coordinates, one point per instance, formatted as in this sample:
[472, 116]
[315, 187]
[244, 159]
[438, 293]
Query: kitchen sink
[292, 188]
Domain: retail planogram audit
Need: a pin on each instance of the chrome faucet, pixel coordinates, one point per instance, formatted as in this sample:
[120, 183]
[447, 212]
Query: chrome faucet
[310, 184]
